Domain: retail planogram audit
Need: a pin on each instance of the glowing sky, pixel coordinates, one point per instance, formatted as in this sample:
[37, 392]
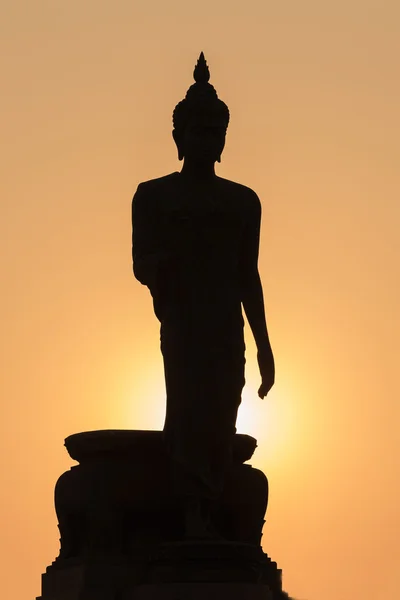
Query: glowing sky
[88, 90]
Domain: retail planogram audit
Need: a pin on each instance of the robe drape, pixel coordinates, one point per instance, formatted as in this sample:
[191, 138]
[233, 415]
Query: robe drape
[191, 251]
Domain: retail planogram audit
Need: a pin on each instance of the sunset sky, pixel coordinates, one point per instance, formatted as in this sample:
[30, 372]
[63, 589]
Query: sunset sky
[313, 87]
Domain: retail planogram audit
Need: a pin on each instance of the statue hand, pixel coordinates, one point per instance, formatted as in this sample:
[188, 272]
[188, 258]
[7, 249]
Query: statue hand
[267, 370]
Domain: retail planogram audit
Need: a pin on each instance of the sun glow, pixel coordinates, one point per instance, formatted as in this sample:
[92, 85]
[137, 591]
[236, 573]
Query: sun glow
[272, 421]
[145, 402]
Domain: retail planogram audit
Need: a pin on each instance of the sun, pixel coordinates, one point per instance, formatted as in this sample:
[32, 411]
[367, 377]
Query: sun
[271, 420]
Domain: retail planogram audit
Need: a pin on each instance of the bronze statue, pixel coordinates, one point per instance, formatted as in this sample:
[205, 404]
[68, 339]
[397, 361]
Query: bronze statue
[195, 246]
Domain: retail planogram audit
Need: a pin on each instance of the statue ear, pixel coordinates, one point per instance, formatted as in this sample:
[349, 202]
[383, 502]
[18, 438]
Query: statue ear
[178, 145]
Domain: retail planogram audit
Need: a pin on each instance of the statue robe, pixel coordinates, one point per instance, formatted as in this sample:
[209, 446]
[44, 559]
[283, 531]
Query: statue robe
[192, 251]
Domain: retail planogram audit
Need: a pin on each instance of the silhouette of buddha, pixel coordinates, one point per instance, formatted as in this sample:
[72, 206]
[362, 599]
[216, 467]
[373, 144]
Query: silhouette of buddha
[195, 246]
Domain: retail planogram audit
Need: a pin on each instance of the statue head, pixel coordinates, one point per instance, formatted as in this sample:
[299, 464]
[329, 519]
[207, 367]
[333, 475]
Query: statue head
[200, 120]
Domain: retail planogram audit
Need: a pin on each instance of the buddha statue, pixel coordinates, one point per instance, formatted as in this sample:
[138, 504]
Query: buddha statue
[195, 245]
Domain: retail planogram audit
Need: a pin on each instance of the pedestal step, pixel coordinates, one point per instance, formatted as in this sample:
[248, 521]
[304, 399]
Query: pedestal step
[201, 591]
[183, 571]
[74, 584]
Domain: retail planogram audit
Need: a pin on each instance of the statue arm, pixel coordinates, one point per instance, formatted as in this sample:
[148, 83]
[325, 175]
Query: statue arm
[147, 251]
[252, 295]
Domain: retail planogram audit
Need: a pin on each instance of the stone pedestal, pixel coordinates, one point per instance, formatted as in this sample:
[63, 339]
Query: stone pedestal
[122, 535]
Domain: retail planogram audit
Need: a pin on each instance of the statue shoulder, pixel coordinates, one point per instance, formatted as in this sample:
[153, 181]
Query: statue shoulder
[158, 185]
[245, 197]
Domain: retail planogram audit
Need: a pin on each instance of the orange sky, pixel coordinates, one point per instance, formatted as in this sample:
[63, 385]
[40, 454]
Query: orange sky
[88, 90]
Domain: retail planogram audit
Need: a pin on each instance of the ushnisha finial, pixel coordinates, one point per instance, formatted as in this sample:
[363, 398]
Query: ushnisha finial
[201, 88]
[201, 73]
[200, 97]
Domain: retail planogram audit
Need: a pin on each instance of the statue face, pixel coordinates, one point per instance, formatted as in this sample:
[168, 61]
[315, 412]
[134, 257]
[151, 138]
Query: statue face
[203, 139]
